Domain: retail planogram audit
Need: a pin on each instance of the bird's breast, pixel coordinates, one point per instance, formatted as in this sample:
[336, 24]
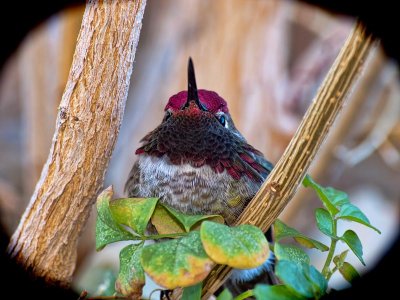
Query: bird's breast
[193, 190]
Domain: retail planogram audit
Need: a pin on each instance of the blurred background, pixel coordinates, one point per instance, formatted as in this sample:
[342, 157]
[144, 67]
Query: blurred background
[266, 58]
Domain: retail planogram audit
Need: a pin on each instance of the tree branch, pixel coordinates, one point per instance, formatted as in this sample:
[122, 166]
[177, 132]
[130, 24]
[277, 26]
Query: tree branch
[87, 126]
[290, 170]
[347, 119]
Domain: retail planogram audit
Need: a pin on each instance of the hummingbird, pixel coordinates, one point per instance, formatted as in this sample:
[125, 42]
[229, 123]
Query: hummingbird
[198, 162]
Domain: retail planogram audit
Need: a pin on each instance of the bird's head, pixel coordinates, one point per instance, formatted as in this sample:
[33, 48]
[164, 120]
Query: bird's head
[197, 104]
[197, 129]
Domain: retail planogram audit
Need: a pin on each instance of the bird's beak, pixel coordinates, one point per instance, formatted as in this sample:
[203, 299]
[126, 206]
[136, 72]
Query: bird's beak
[192, 88]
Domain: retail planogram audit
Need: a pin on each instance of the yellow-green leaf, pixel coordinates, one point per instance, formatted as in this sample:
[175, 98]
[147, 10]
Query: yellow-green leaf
[165, 222]
[188, 221]
[302, 279]
[324, 222]
[325, 195]
[282, 231]
[133, 212]
[213, 218]
[177, 263]
[192, 292]
[337, 197]
[275, 292]
[354, 243]
[348, 272]
[240, 247]
[225, 295]
[131, 278]
[340, 258]
[353, 213]
[107, 229]
[292, 253]
[106, 235]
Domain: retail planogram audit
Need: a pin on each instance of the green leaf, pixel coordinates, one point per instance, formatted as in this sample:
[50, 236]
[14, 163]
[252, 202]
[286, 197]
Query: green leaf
[292, 253]
[302, 279]
[133, 212]
[225, 295]
[165, 222]
[354, 243]
[348, 271]
[188, 221]
[103, 209]
[131, 278]
[241, 247]
[323, 195]
[337, 197]
[106, 235]
[275, 292]
[282, 231]
[353, 213]
[340, 258]
[177, 263]
[107, 229]
[192, 292]
[324, 222]
[318, 281]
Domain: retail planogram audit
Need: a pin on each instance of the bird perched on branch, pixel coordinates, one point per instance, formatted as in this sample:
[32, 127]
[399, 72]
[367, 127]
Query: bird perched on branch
[198, 162]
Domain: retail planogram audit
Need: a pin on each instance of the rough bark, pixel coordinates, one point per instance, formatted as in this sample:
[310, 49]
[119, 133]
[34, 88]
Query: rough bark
[290, 170]
[87, 126]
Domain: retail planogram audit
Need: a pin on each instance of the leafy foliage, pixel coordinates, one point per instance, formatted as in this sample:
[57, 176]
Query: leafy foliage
[134, 213]
[275, 292]
[283, 231]
[131, 278]
[351, 212]
[177, 262]
[241, 247]
[165, 222]
[192, 292]
[189, 221]
[324, 222]
[291, 253]
[188, 246]
[348, 271]
[107, 229]
[225, 295]
[354, 243]
[301, 280]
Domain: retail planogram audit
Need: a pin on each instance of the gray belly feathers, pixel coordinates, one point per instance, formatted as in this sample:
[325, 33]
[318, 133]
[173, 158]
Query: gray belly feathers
[192, 190]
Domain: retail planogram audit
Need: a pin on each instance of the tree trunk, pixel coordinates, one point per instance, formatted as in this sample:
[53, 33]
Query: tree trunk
[290, 170]
[87, 126]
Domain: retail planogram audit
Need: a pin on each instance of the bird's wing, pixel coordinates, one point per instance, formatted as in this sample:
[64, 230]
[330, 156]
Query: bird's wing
[265, 164]
[243, 280]
[132, 184]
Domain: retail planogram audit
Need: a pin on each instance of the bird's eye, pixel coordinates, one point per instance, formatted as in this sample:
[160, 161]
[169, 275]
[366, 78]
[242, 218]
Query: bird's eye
[222, 120]
[168, 114]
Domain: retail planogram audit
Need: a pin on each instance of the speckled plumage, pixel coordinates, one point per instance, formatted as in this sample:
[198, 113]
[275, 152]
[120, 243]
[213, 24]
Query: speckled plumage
[195, 190]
